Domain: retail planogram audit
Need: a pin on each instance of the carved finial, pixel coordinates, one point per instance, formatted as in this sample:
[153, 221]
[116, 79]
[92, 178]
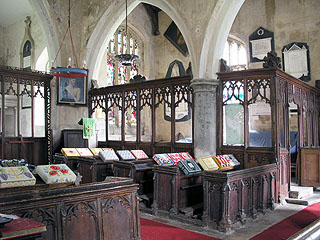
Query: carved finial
[272, 60]
[28, 21]
[224, 66]
[78, 179]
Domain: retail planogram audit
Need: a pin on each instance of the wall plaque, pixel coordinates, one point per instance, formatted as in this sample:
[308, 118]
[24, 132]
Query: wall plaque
[27, 48]
[260, 43]
[296, 61]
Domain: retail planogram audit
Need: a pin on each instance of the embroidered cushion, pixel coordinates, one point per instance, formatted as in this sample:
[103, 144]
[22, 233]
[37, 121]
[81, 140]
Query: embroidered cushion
[139, 154]
[70, 152]
[163, 159]
[233, 161]
[84, 152]
[16, 177]
[55, 173]
[186, 156]
[175, 157]
[108, 154]
[95, 151]
[125, 155]
[222, 162]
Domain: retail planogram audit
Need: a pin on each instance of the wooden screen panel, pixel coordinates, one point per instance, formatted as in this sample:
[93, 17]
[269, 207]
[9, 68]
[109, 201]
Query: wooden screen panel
[117, 211]
[310, 167]
[80, 221]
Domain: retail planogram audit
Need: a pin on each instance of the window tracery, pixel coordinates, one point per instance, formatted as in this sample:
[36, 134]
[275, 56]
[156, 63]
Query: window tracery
[235, 54]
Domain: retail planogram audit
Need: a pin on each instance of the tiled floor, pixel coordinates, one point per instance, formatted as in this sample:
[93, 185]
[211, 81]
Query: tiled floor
[252, 227]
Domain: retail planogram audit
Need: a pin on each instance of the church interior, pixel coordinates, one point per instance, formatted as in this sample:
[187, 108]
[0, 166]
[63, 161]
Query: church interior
[121, 116]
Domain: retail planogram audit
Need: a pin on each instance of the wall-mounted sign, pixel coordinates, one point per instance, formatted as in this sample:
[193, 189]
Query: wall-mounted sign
[296, 61]
[260, 43]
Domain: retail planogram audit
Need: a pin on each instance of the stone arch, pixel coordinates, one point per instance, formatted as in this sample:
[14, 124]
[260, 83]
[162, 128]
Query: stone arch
[105, 28]
[41, 8]
[216, 35]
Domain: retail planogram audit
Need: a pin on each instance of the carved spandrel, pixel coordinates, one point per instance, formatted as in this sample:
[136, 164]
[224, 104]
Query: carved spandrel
[114, 100]
[110, 203]
[130, 100]
[259, 89]
[232, 90]
[256, 181]
[214, 187]
[68, 211]
[261, 159]
[145, 98]
[246, 183]
[234, 187]
[182, 94]
[98, 102]
[163, 96]
[46, 216]
[11, 87]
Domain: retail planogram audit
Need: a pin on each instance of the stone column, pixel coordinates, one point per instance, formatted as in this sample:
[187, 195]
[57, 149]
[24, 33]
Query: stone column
[204, 116]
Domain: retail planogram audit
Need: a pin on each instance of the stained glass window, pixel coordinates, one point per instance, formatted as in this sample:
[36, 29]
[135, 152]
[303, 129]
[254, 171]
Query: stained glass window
[118, 44]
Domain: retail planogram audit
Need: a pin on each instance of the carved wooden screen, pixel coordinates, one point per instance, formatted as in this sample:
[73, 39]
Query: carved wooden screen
[260, 85]
[139, 115]
[26, 115]
[279, 91]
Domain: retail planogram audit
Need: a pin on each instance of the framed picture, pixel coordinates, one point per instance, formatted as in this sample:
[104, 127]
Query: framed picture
[174, 35]
[26, 101]
[72, 91]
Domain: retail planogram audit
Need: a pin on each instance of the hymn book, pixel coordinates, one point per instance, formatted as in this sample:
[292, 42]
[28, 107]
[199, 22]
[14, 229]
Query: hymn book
[208, 164]
[189, 167]
[22, 227]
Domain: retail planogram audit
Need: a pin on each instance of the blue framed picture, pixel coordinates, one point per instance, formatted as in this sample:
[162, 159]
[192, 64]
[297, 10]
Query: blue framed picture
[72, 91]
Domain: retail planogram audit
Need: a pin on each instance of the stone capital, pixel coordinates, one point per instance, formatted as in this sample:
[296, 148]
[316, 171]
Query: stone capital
[204, 84]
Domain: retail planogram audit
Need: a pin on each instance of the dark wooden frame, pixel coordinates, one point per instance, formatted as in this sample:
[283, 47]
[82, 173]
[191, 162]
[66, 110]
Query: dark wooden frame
[283, 89]
[138, 96]
[37, 150]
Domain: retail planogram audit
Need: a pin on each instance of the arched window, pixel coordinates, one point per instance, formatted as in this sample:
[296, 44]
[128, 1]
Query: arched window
[235, 54]
[117, 73]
